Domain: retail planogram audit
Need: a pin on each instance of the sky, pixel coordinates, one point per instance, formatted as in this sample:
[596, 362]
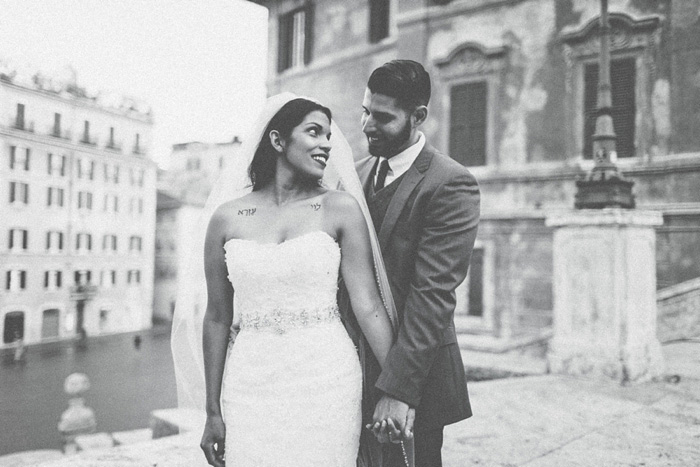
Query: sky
[199, 64]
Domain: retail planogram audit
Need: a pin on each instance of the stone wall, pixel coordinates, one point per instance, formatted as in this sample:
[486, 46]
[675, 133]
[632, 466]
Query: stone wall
[679, 311]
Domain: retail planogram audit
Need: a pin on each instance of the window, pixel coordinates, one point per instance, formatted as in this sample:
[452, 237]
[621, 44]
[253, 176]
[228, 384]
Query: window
[54, 196]
[134, 243]
[82, 277]
[15, 279]
[56, 164]
[14, 327]
[19, 119]
[50, 323]
[108, 278]
[295, 38]
[133, 276]
[468, 109]
[109, 242]
[193, 164]
[137, 144]
[85, 200]
[111, 137]
[378, 19]
[622, 81]
[18, 240]
[86, 132]
[86, 169]
[476, 283]
[54, 241]
[111, 203]
[53, 279]
[83, 242]
[115, 174]
[56, 125]
[19, 193]
[19, 158]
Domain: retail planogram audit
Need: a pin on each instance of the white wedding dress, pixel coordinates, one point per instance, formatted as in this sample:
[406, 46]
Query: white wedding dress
[293, 382]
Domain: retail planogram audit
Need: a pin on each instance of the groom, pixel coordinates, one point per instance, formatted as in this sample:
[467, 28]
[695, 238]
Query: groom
[425, 207]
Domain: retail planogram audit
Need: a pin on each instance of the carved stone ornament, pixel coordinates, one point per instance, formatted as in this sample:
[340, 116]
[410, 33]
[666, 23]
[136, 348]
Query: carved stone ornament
[627, 34]
[472, 59]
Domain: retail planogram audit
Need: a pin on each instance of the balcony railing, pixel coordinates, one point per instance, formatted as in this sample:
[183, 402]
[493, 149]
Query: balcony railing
[58, 132]
[114, 146]
[86, 139]
[24, 125]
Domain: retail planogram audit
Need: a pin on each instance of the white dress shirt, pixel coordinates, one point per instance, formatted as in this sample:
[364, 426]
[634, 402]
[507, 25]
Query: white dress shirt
[400, 163]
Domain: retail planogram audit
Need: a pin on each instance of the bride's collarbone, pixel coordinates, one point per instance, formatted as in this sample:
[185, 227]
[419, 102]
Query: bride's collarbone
[278, 224]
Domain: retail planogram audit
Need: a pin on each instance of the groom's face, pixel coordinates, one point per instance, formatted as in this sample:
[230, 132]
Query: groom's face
[386, 125]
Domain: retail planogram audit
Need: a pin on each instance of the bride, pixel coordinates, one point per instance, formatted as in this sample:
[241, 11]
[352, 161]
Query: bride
[283, 380]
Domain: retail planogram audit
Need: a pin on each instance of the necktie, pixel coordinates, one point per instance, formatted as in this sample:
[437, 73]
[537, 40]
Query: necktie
[381, 175]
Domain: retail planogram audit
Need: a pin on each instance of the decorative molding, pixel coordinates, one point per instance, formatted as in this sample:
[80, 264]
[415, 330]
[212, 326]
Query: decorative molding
[471, 58]
[626, 34]
[608, 216]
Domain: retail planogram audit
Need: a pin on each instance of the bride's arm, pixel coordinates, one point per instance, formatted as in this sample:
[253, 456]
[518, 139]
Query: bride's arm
[357, 269]
[216, 326]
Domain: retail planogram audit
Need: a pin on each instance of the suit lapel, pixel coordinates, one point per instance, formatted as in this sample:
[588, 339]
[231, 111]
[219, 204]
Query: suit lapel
[364, 171]
[414, 175]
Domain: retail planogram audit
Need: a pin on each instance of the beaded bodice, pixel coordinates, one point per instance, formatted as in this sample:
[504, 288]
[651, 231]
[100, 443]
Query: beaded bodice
[278, 287]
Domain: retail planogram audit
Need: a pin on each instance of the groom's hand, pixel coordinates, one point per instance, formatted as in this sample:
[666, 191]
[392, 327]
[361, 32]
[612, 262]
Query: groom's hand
[393, 420]
[213, 441]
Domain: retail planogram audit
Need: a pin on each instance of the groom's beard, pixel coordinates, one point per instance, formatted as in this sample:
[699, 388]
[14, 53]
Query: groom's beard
[391, 145]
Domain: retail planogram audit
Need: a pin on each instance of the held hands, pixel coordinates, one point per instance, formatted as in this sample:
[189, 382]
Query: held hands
[213, 441]
[393, 420]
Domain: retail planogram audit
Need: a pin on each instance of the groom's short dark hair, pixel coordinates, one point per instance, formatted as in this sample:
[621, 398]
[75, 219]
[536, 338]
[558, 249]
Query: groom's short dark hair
[405, 80]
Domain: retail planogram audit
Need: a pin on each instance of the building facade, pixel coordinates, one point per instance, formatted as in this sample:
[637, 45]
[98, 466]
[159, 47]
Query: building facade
[77, 203]
[195, 167]
[514, 98]
[182, 191]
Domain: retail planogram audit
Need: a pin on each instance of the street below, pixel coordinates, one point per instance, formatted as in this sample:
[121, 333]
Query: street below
[128, 381]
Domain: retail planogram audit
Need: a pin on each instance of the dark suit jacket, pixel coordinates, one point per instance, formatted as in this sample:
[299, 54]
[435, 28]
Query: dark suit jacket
[427, 237]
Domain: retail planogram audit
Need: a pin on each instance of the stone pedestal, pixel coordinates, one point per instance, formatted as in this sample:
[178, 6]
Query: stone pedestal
[605, 294]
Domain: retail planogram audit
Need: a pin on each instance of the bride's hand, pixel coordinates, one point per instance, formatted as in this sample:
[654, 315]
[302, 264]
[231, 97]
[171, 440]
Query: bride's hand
[213, 440]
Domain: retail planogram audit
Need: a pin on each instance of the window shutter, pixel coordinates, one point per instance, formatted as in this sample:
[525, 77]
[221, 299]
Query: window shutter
[8, 280]
[89, 242]
[378, 20]
[12, 191]
[49, 159]
[13, 150]
[476, 283]
[25, 237]
[63, 166]
[308, 33]
[76, 277]
[23, 280]
[48, 240]
[26, 160]
[60, 196]
[468, 114]
[60, 240]
[284, 45]
[11, 239]
[623, 83]
[58, 278]
[25, 188]
[46, 279]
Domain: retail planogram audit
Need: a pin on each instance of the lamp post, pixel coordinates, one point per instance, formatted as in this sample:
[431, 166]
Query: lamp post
[604, 186]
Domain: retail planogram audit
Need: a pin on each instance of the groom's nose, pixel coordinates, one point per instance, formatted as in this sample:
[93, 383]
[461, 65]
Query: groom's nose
[368, 124]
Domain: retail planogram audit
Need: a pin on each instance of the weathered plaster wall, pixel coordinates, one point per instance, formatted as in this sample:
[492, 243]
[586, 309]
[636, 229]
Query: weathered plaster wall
[526, 29]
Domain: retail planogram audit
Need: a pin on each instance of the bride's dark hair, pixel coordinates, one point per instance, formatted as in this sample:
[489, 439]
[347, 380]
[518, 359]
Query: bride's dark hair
[262, 168]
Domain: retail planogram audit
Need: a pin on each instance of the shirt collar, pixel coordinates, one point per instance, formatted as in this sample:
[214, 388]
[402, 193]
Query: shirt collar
[403, 160]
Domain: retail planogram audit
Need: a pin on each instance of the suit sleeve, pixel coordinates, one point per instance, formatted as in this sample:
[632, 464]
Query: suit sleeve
[442, 260]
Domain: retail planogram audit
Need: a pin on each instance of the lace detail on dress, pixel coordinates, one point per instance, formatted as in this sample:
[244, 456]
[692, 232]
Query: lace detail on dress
[293, 365]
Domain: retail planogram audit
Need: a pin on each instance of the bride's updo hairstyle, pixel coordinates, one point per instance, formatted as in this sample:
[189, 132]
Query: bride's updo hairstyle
[262, 168]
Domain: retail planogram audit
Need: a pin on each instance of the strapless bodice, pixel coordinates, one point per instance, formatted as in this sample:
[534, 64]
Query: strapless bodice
[281, 286]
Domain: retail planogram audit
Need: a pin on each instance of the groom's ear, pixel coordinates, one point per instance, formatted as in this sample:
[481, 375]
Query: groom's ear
[276, 141]
[419, 115]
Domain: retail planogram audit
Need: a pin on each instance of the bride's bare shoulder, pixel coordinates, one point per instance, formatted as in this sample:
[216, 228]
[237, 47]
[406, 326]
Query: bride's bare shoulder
[341, 204]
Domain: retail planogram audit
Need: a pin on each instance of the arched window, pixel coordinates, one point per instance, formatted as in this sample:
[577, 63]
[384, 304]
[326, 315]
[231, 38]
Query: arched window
[14, 327]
